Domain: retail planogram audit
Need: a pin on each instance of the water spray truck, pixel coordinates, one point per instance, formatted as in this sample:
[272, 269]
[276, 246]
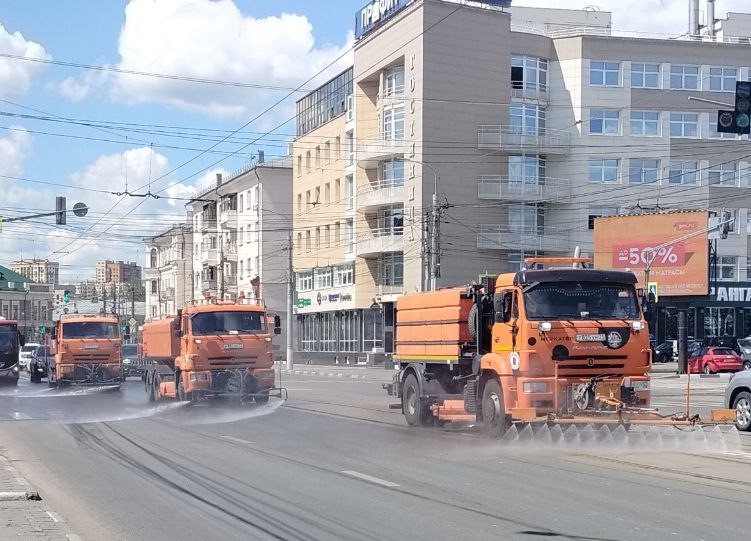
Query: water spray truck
[556, 346]
[87, 351]
[209, 350]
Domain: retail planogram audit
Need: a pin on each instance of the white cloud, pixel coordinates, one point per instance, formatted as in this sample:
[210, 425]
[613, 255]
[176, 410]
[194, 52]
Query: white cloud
[16, 74]
[136, 166]
[13, 150]
[212, 39]
[73, 89]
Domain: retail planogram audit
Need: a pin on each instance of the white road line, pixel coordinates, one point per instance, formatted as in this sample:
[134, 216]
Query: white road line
[20, 416]
[53, 516]
[370, 478]
[73, 537]
[237, 440]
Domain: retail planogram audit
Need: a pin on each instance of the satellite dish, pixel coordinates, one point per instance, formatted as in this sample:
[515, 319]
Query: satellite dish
[80, 209]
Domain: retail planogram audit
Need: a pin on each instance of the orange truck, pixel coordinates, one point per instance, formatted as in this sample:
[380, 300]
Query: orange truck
[86, 351]
[565, 345]
[207, 350]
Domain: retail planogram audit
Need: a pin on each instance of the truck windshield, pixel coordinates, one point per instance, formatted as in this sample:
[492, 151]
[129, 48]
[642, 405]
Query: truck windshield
[581, 300]
[230, 322]
[89, 329]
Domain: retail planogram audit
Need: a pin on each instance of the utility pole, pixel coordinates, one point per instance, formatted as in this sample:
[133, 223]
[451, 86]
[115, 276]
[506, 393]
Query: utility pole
[290, 301]
[104, 297]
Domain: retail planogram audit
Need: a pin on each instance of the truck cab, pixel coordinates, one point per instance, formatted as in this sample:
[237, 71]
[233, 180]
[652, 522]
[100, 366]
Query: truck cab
[86, 351]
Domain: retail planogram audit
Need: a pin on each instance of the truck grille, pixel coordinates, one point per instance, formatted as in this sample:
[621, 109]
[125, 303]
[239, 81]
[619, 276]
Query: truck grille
[233, 381]
[92, 373]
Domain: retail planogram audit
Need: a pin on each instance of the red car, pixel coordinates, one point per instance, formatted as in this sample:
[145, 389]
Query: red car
[715, 359]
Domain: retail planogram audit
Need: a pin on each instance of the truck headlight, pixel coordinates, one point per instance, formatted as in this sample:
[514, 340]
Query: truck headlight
[535, 387]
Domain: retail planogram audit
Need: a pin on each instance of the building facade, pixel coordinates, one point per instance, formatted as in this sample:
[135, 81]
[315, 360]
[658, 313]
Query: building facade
[240, 229]
[117, 272]
[436, 159]
[168, 278]
[27, 302]
[41, 271]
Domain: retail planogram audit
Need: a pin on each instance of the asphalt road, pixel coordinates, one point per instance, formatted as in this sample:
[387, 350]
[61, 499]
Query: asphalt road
[335, 463]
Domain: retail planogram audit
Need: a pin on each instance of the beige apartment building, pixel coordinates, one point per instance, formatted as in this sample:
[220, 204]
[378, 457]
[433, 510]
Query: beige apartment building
[42, 271]
[524, 124]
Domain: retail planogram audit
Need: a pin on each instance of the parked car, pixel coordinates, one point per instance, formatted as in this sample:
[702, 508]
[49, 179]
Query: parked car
[714, 359]
[131, 366]
[24, 355]
[738, 397]
[663, 353]
[39, 363]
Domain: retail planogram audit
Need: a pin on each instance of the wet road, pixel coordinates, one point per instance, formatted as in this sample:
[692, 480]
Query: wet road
[335, 463]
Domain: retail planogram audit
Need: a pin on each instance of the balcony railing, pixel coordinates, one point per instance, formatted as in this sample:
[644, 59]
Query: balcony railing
[208, 225]
[230, 251]
[500, 237]
[370, 153]
[228, 219]
[529, 91]
[167, 294]
[210, 256]
[541, 189]
[379, 241]
[383, 192]
[208, 284]
[516, 139]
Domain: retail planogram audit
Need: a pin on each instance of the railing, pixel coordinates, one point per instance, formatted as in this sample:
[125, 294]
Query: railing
[208, 284]
[207, 225]
[380, 240]
[529, 91]
[540, 189]
[369, 153]
[382, 192]
[515, 138]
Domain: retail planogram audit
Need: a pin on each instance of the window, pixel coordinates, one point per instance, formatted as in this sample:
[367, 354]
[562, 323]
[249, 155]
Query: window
[317, 200]
[327, 152]
[645, 123]
[604, 121]
[595, 211]
[391, 220]
[393, 123]
[344, 275]
[327, 334]
[318, 238]
[391, 269]
[349, 148]
[240, 201]
[299, 243]
[349, 331]
[248, 268]
[604, 73]
[299, 203]
[240, 272]
[526, 169]
[684, 77]
[326, 236]
[323, 278]
[722, 79]
[307, 241]
[643, 171]
[307, 200]
[338, 147]
[727, 268]
[392, 173]
[714, 134]
[299, 164]
[327, 193]
[526, 119]
[349, 192]
[318, 157]
[603, 170]
[645, 75]
[349, 235]
[526, 218]
[529, 73]
[393, 81]
[307, 161]
[684, 125]
[722, 174]
[304, 281]
[681, 172]
[153, 286]
[337, 190]
[337, 234]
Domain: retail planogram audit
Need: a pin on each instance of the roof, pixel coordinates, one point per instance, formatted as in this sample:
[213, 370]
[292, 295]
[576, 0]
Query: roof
[574, 275]
[7, 275]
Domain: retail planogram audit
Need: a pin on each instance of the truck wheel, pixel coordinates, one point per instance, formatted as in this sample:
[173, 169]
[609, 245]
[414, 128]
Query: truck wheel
[151, 390]
[415, 412]
[473, 321]
[493, 409]
[742, 406]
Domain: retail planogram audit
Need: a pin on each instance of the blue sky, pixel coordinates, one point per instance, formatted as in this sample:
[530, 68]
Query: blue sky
[83, 133]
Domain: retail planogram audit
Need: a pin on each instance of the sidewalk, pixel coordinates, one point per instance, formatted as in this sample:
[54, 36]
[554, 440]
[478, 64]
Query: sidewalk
[23, 515]
[377, 373]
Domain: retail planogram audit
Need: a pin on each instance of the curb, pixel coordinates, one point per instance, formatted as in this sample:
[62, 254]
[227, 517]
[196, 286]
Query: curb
[341, 375]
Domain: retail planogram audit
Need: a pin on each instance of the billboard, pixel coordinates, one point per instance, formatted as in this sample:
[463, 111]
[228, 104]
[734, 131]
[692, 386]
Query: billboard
[681, 268]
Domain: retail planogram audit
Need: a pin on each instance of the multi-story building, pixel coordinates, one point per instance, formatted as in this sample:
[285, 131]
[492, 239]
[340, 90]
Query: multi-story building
[168, 279]
[240, 236]
[86, 289]
[438, 158]
[42, 271]
[117, 272]
[27, 302]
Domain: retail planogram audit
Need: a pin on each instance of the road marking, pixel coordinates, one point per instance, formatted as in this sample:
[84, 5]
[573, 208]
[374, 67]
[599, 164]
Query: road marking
[370, 478]
[73, 537]
[53, 516]
[237, 440]
[20, 416]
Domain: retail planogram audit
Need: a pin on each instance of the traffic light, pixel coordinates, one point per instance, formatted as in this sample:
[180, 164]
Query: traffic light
[66, 296]
[42, 329]
[60, 210]
[738, 120]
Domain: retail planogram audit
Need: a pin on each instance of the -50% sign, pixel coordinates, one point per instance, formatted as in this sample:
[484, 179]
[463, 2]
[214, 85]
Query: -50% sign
[630, 255]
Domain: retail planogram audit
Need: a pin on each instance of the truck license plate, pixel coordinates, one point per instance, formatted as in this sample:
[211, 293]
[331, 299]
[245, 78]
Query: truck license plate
[590, 337]
[233, 346]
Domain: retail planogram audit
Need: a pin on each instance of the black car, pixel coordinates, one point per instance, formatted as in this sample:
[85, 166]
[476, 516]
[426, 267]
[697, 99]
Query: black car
[131, 365]
[663, 353]
[38, 363]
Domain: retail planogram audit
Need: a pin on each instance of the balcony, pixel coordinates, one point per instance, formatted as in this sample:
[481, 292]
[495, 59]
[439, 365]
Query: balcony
[516, 139]
[207, 285]
[230, 281]
[501, 237]
[167, 294]
[208, 225]
[210, 257]
[370, 153]
[228, 219]
[544, 189]
[230, 251]
[529, 91]
[380, 241]
[383, 192]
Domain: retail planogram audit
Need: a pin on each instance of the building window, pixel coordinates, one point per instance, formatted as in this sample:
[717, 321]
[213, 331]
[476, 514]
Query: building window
[645, 123]
[722, 174]
[727, 268]
[604, 122]
[307, 240]
[682, 172]
[603, 170]
[307, 332]
[299, 164]
[349, 331]
[240, 273]
[318, 157]
[299, 243]
[337, 191]
[391, 269]
[526, 119]
[307, 161]
[349, 192]
[349, 148]
[526, 169]
[393, 123]
[645, 75]
[391, 221]
[604, 73]
[529, 73]
[327, 152]
[392, 173]
[240, 202]
[326, 236]
[337, 234]
[722, 79]
[372, 329]
[393, 81]
[304, 281]
[323, 278]
[327, 336]
[317, 200]
[327, 193]
[643, 171]
[318, 238]
[324, 103]
[526, 218]
[299, 203]
[684, 77]
[248, 268]
[684, 125]
[154, 287]
[344, 275]
[349, 235]
[596, 211]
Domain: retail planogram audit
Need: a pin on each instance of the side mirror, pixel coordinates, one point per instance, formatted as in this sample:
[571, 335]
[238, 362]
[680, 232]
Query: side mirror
[277, 325]
[498, 315]
[21, 339]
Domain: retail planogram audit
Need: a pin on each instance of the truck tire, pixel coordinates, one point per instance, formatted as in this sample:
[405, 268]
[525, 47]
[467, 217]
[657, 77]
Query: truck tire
[415, 412]
[742, 406]
[151, 390]
[494, 421]
[473, 320]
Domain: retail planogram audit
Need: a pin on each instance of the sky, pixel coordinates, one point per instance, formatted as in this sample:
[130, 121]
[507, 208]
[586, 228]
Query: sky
[99, 98]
